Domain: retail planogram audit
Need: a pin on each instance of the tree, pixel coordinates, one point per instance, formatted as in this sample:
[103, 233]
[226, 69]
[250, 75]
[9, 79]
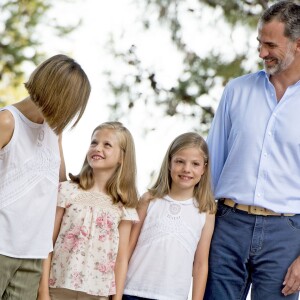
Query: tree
[23, 23]
[193, 93]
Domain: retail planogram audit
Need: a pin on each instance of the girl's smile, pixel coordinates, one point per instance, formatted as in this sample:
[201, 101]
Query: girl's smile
[97, 157]
[104, 152]
[187, 167]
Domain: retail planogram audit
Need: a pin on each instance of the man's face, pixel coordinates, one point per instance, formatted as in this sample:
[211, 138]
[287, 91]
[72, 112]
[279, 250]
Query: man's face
[276, 50]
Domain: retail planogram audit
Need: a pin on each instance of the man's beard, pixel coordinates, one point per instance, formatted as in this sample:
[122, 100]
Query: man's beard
[281, 65]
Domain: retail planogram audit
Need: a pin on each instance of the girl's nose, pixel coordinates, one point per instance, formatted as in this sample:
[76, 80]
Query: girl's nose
[186, 167]
[99, 148]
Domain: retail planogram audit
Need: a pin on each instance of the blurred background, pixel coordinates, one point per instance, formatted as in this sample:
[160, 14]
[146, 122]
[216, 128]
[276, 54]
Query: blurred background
[158, 66]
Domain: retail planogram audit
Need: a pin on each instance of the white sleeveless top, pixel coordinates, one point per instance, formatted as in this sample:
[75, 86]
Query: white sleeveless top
[29, 172]
[162, 262]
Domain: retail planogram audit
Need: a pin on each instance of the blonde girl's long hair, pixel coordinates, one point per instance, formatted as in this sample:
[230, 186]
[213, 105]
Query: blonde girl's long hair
[202, 191]
[122, 185]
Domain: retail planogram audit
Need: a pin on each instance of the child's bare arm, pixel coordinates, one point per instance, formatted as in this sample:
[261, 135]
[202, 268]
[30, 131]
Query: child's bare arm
[122, 258]
[200, 268]
[136, 228]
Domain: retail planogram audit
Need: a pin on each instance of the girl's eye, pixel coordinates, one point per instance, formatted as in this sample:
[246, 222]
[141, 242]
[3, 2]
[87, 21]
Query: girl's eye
[93, 143]
[107, 144]
[178, 161]
[196, 164]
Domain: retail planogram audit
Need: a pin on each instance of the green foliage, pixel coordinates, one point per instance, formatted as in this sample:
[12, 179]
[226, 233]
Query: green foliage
[201, 74]
[22, 25]
[240, 11]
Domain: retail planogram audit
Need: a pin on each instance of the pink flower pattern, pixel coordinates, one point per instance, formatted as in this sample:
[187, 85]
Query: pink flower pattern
[77, 279]
[72, 239]
[85, 251]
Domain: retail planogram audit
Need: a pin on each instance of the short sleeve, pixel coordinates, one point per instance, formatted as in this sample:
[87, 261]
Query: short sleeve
[65, 190]
[130, 214]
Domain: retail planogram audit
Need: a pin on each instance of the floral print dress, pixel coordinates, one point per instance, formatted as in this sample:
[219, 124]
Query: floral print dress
[86, 248]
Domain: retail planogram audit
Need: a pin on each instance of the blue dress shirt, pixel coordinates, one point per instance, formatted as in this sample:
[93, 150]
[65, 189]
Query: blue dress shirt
[254, 144]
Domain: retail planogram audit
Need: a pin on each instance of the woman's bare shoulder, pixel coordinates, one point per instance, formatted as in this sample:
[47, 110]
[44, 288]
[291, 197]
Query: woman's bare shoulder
[7, 125]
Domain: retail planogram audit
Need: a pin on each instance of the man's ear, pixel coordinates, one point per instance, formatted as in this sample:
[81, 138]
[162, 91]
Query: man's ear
[298, 45]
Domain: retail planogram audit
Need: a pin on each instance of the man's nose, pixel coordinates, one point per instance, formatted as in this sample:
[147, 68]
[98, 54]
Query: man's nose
[262, 51]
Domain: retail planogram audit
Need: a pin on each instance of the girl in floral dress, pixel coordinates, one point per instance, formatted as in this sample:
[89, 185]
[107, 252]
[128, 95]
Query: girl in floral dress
[94, 216]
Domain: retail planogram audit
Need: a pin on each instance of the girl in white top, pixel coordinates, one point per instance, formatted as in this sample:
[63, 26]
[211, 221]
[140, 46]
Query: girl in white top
[176, 224]
[94, 216]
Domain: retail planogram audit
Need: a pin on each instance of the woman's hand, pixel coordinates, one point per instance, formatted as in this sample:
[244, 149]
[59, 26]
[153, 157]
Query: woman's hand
[43, 295]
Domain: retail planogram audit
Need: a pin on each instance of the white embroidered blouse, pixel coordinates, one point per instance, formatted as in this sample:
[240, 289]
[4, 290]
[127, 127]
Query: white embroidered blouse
[85, 251]
[161, 265]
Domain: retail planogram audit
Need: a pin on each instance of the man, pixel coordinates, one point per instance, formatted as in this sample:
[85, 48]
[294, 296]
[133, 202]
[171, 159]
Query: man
[254, 143]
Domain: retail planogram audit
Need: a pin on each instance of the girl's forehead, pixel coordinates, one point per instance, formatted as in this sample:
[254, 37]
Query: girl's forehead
[105, 133]
[189, 151]
[102, 131]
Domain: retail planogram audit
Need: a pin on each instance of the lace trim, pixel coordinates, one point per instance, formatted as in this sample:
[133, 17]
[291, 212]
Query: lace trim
[104, 202]
[169, 227]
[93, 199]
[15, 183]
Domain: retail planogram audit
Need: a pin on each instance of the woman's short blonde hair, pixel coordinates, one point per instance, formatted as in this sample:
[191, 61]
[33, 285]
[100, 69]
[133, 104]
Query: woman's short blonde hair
[60, 89]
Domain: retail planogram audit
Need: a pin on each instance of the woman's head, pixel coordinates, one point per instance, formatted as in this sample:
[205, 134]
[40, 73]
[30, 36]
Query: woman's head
[112, 151]
[186, 149]
[60, 88]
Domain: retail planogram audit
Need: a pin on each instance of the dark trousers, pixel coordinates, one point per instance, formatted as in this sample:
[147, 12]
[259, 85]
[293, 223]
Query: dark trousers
[251, 250]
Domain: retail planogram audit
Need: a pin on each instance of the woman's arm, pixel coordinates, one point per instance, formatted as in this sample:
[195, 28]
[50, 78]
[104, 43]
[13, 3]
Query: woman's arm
[122, 258]
[43, 292]
[62, 169]
[200, 268]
